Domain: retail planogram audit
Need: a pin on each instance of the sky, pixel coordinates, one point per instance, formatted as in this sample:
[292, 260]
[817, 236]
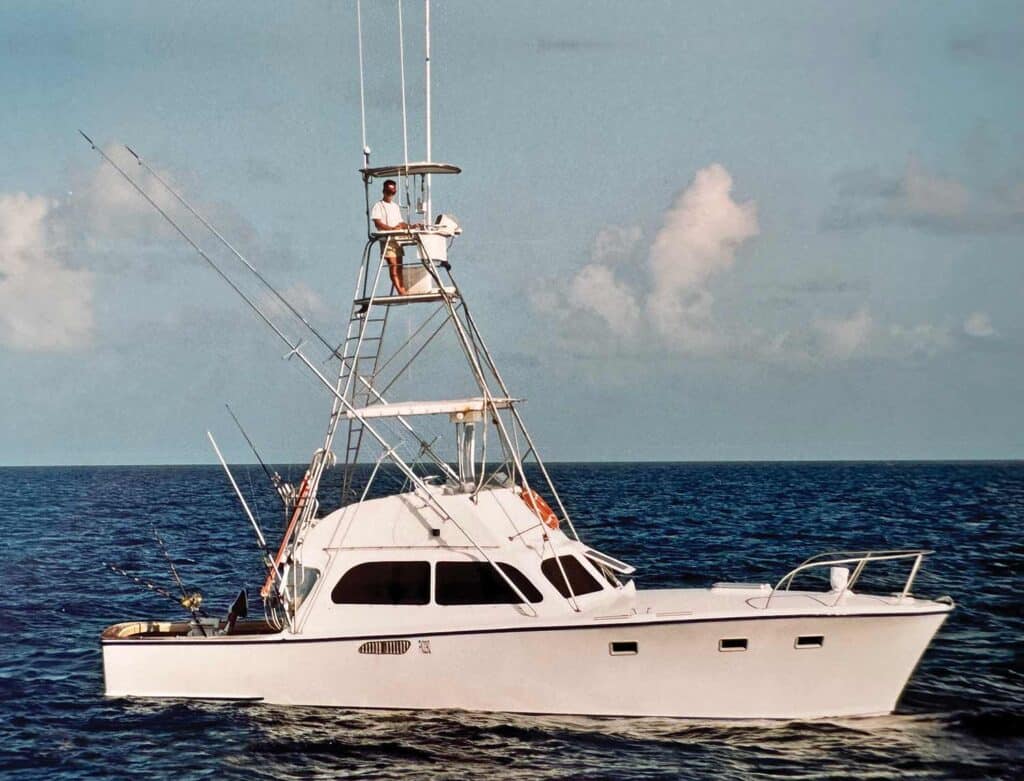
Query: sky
[692, 231]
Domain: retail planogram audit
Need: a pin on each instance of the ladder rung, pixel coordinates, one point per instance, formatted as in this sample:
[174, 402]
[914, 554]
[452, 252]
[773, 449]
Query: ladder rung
[410, 298]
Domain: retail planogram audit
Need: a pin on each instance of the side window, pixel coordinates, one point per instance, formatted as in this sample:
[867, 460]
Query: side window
[476, 583]
[606, 573]
[582, 582]
[384, 583]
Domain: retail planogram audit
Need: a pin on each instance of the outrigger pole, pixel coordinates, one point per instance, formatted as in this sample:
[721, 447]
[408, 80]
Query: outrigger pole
[245, 505]
[181, 199]
[296, 350]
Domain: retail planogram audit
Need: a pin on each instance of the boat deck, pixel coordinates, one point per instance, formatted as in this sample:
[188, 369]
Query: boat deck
[137, 630]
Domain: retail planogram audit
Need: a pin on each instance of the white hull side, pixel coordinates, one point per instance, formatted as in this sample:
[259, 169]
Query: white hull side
[679, 671]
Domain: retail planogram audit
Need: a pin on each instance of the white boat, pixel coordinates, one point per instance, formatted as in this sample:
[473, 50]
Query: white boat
[468, 586]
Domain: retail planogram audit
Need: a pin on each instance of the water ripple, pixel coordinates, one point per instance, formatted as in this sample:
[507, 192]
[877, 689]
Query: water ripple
[680, 524]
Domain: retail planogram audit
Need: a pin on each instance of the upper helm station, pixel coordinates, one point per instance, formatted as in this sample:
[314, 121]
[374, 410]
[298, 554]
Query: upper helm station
[427, 234]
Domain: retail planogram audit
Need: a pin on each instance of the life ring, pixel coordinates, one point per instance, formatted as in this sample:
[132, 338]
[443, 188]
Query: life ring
[540, 508]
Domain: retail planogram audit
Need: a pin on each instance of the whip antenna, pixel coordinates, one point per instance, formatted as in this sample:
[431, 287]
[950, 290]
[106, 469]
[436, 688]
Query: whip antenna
[362, 99]
[426, 27]
[405, 128]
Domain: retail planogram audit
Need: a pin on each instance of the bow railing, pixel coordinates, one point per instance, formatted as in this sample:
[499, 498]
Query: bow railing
[859, 560]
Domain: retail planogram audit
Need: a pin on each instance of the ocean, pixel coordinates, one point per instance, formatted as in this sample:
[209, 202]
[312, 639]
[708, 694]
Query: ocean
[680, 524]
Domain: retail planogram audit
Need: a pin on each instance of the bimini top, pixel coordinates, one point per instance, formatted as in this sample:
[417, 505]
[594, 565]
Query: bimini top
[412, 169]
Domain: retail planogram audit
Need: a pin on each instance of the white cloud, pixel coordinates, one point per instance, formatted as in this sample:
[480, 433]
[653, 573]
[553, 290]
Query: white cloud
[667, 293]
[103, 206]
[921, 339]
[666, 301]
[614, 243]
[50, 250]
[979, 325]
[924, 199]
[44, 303]
[301, 296]
[844, 337]
[926, 194]
[698, 239]
[594, 289]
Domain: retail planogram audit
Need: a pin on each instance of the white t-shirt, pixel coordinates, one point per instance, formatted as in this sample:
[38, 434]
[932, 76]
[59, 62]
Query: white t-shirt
[388, 213]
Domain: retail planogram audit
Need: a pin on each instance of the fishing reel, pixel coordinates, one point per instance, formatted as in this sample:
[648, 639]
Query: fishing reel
[192, 601]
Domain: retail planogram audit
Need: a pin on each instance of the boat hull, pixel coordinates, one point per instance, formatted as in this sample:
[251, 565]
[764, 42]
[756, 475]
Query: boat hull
[679, 668]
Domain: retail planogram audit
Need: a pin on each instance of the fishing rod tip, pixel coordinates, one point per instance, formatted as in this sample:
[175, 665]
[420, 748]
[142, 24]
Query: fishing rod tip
[82, 133]
[137, 158]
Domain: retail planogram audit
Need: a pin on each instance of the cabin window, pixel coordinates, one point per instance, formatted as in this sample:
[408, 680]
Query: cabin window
[582, 582]
[477, 583]
[301, 583]
[384, 583]
[605, 571]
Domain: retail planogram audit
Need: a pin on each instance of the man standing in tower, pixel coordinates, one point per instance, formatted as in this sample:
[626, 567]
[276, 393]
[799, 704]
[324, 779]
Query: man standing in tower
[387, 216]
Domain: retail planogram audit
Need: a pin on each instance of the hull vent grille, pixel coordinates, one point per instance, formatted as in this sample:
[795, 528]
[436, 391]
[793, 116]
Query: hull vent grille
[387, 647]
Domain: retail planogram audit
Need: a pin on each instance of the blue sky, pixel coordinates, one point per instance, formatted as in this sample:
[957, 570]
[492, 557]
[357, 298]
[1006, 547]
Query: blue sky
[771, 230]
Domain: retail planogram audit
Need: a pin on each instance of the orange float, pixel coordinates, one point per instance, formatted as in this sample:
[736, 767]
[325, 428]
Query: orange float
[540, 508]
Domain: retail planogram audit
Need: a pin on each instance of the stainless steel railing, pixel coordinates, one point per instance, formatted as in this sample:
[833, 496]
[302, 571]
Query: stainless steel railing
[859, 560]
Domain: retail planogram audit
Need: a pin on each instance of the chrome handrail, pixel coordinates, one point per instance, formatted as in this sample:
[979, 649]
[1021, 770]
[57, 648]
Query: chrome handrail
[858, 558]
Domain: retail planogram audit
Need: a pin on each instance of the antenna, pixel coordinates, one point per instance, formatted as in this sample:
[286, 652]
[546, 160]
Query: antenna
[426, 25]
[362, 99]
[405, 129]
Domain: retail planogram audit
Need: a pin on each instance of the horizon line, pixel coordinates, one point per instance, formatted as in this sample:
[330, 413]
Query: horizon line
[901, 460]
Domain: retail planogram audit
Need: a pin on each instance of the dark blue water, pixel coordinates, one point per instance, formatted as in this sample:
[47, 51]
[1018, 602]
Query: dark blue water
[681, 524]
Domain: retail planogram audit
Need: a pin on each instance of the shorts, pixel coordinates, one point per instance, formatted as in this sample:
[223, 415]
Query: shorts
[390, 248]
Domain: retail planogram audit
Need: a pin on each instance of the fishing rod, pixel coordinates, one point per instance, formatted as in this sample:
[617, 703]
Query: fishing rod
[190, 601]
[181, 199]
[284, 490]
